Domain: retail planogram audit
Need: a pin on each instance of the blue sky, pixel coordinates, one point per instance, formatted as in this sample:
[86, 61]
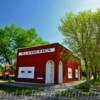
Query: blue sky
[43, 15]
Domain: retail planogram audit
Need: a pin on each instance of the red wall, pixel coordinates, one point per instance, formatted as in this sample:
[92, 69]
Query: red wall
[39, 62]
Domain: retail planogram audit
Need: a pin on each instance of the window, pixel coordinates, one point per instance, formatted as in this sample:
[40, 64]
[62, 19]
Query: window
[76, 73]
[69, 73]
[29, 71]
[22, 71]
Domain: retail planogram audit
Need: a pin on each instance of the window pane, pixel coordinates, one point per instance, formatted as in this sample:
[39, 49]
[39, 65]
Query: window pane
[76, 73]
[29, 71]
[69, 73]
[22, 71]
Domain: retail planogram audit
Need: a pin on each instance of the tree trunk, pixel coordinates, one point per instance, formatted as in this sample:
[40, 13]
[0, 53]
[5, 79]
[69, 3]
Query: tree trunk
[87, 71]
[88, 74]
[94, 73]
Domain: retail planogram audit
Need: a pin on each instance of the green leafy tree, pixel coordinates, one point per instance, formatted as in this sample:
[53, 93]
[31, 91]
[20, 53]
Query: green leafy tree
[13, 37]
[81, 34]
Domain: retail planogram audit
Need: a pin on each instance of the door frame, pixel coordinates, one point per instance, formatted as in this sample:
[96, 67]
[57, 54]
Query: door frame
[60, 72]
[51, 78]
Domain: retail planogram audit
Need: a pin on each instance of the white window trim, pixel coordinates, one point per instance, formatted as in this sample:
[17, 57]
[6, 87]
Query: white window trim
[76, 73]
[70, 73]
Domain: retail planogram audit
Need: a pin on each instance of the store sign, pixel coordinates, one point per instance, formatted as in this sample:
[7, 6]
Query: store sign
[36, 51]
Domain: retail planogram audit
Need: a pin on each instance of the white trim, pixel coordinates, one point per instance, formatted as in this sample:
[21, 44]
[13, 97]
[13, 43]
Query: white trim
[40, 78]
[76, 73]
[70, 73]
[60, 72]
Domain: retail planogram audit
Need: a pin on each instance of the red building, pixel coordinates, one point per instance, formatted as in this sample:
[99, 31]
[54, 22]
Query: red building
[51, 63]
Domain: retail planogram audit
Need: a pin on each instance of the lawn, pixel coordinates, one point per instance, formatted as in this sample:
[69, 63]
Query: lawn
[17, 90]
[94, 84]
[82, 90]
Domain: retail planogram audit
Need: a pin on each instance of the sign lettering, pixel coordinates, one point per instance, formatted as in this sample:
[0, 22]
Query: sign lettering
[36, 51]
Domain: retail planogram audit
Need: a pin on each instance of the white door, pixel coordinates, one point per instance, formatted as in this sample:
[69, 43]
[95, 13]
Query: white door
[60, 72]
[26, 72]
[49, 78]
[78, 72]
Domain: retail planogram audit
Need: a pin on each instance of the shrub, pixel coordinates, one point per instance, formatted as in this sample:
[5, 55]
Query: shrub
[84, 86]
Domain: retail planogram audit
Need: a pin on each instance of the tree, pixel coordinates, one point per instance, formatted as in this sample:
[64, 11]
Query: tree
[96, 45]
[12, 38]
[81, 33]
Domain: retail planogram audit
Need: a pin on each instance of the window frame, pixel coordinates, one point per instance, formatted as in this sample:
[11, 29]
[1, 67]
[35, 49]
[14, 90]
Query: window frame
[70, 73]
[76, 73]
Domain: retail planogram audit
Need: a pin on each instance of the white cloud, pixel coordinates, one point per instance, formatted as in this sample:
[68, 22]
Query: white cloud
[89, 4]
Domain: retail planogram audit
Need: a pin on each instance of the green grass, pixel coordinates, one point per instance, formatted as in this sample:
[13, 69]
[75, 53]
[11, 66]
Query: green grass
[83, 78]
[92, 84]
[83, 86]
[17, 90]
[95, 83]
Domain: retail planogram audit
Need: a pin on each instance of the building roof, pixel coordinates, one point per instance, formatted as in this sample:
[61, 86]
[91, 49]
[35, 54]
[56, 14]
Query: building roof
[40, 46]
